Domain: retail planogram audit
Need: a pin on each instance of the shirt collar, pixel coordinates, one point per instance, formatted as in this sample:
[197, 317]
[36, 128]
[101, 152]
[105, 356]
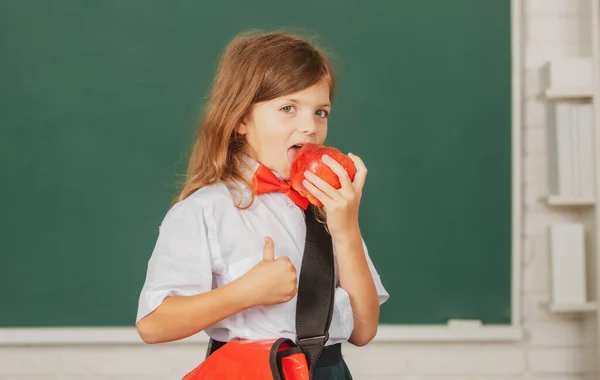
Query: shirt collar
[253, 164]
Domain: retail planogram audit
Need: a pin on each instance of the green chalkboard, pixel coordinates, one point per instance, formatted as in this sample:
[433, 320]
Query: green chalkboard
[98, 102]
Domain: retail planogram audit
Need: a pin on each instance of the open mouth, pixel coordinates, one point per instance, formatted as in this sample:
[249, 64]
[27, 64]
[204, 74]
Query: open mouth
[293, 152]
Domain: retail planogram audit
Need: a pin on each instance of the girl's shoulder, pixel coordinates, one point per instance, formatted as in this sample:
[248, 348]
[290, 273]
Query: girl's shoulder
[211, 194]
[203, 201]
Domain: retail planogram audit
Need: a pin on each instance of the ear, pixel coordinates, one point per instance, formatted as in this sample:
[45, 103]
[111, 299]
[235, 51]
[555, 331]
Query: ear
[242, 127]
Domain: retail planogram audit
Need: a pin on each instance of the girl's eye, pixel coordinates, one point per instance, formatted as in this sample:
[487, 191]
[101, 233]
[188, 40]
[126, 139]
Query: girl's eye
[288, 109]
[322, 113]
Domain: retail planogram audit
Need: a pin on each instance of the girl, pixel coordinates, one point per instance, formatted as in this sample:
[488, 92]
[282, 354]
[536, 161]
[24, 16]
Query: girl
[227, 259]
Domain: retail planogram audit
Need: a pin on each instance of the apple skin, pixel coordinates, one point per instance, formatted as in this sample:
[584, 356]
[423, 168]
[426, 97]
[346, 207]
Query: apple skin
[309, 158]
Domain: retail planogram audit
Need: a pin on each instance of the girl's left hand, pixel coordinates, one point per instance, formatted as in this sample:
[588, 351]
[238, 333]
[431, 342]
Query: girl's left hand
[342, 204]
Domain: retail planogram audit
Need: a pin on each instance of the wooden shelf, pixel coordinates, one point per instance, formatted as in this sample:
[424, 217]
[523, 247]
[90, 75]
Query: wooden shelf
[556, 200]
[569, 93]
[574, 308]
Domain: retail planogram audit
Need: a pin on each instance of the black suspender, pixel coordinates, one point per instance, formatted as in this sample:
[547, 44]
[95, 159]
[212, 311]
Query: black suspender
[316, 290]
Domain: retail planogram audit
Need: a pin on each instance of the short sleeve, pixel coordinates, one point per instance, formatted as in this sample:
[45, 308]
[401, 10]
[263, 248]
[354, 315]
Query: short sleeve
[180, 264]
[381, 292]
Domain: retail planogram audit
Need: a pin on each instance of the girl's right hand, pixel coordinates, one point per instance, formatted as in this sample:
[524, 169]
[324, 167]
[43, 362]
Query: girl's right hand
[271, 281]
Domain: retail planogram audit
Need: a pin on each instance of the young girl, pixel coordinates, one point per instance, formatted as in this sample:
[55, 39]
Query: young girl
[227, 260]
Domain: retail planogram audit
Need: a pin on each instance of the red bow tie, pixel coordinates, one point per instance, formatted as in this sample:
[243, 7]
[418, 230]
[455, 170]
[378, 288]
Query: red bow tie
[265, 181]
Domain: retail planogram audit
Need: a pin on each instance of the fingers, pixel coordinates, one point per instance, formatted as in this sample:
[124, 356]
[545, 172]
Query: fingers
[349, 190]
[317, 192]
[269, 249]
[324, 187]
[339, 170]
[361, 172]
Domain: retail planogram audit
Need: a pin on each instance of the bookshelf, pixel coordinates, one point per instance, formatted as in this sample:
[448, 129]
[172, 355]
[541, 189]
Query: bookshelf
[589, 307]
[582, 93]
[573, 83]
[557, 200]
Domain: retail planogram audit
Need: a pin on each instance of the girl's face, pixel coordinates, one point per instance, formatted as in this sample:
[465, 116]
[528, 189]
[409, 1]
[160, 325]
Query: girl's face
[276, 129]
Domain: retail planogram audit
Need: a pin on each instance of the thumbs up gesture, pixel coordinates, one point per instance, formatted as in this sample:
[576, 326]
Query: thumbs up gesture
[271, 281]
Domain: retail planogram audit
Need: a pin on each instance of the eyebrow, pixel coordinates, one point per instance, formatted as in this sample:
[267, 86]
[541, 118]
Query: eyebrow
[299, 102]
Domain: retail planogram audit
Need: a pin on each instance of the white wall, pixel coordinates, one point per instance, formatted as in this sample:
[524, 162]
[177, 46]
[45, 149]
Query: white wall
[554, 346]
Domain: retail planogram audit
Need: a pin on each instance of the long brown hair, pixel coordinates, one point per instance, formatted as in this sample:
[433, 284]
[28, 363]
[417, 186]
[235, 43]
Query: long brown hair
[255, 67]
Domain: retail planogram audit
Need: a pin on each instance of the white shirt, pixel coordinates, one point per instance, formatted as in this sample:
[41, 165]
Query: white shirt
[205, 242]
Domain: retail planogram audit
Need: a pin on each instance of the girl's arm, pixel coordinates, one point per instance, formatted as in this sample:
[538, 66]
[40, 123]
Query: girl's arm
[356, 279]
[179, 317]
[271, 281]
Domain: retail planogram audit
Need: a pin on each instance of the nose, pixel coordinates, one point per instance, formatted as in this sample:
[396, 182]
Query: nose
[308, 126]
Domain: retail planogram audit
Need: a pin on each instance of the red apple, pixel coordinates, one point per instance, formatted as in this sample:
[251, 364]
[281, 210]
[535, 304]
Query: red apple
[309, 158]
